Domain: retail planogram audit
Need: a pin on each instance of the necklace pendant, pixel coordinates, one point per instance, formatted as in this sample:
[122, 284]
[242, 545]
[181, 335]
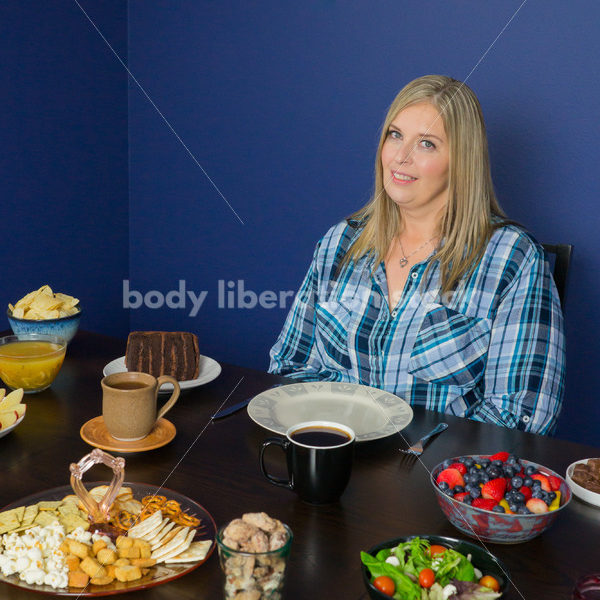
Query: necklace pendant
[403, 262]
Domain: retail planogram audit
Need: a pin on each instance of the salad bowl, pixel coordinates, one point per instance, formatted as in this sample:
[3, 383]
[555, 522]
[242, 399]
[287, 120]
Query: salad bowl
[481, 559]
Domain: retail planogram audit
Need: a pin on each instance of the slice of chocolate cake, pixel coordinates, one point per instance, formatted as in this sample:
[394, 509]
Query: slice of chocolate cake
[172, 353]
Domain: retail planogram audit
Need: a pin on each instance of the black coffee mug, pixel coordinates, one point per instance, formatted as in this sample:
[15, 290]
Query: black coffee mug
[319, 460]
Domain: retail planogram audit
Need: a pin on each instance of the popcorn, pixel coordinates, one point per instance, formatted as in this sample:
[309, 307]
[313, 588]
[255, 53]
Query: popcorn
[35, 556]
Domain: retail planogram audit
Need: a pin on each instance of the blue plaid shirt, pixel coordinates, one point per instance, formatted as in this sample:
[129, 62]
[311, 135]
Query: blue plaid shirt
[494, 351]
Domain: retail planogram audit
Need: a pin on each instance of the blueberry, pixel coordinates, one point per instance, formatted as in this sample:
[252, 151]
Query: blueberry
[493, 472]
[462, 459]
[469, 462]
[447, 463]
[513, 507]
[444, 486]
[512, 460]
[475, 492]
[536, 484]
[498, 463]
[516, 482]
[484, 477]
[473, 470]
[498, 509]
[527, 481]
[537, 493]
[467, 500]
[458, 489]
[523, 510]
[509, 471]
[530, 470]
[518, 498]
[551, 496]
[485, 463]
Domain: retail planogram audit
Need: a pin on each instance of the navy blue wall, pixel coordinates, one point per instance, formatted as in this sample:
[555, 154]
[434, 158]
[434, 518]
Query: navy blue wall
[63, 155]
[279, 104]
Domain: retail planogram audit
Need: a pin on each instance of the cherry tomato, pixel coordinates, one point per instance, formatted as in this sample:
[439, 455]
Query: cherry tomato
[436, 550]
[426, 578]
[490, 582]
[385, 585]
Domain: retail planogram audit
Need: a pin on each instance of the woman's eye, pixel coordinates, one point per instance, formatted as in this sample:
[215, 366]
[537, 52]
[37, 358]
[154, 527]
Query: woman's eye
[395, 135]
[428, 145]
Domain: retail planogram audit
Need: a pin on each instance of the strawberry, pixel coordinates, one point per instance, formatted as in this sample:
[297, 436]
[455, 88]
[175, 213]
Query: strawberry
[451, 476]
[500, 456]
[537, 505]
[485, 503]
[460, 497]
[459, 467]
[526, 491]
[544, 481]
[554, 482]
[494, 489]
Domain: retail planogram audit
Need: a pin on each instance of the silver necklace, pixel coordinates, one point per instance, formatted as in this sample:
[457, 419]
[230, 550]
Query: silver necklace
[404, 259]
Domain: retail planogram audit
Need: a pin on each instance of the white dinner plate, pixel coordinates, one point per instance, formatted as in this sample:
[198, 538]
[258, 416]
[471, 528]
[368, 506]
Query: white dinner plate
[588, 496]
[209, 370]
[370, 412]
[7, 430]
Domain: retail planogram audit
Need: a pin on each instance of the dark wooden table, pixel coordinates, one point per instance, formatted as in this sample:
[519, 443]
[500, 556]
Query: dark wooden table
[216, 464]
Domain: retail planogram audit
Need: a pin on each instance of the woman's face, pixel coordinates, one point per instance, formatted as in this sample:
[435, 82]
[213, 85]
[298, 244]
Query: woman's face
[415, 160]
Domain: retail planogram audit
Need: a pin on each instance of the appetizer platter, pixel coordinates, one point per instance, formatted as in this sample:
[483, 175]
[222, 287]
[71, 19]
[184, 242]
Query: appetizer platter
[104, 539]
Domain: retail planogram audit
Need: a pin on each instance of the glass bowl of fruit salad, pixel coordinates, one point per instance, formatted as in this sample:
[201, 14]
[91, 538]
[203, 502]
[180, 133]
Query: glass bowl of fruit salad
[499, 498]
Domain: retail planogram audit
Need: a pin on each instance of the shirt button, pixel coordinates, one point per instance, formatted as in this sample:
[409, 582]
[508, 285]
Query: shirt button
[414, 275]
[394, 313]
[526, 418]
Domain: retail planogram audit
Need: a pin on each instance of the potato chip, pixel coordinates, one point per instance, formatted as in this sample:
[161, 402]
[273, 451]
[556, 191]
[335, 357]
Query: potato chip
[44, 304]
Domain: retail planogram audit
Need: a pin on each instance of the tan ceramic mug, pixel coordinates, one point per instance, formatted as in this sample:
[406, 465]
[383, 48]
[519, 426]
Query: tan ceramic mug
[129, 403]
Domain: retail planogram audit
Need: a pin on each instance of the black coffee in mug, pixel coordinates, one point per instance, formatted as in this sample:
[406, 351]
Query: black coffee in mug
[319, 460]
[320, 436]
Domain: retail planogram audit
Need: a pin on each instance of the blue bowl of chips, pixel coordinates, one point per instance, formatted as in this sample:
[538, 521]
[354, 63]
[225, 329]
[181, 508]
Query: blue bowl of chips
[63, 327]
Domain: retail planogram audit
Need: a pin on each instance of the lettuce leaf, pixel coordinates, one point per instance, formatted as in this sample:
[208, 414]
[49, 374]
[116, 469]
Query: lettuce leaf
[406, 589]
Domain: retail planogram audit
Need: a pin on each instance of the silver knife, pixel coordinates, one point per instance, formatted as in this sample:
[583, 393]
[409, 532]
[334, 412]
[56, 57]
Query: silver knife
[235, 407]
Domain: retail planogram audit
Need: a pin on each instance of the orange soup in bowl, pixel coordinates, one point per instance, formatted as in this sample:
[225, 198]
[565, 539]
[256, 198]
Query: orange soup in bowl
[30, 362]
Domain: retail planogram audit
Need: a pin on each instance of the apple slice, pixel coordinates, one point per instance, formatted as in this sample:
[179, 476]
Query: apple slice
[8, 418]
[12, 400]
[19, 410]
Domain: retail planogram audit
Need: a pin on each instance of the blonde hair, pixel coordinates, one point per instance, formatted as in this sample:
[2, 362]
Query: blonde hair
[466, 225]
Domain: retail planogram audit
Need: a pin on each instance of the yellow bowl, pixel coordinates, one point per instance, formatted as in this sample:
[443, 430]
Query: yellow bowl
[31, 361]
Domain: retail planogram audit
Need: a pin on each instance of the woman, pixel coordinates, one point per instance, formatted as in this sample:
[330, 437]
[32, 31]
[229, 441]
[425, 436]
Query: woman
[428, 291]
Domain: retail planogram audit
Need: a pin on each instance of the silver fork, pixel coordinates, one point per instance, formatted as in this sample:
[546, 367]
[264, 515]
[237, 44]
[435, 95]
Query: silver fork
[417, 449]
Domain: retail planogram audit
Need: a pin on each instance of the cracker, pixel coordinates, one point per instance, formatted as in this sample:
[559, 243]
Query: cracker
[175, 546]
[30, 514]
[196, 551]
[161, 532]
[144, 527]
[72, 521]
[45, 518]
[49, 504]
[68, 508]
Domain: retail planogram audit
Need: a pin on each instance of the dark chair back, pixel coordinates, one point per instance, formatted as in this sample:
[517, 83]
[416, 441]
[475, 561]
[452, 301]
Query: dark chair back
[562, 261]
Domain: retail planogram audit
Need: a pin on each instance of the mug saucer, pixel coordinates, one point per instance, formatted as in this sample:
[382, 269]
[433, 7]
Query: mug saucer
[94, 432]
